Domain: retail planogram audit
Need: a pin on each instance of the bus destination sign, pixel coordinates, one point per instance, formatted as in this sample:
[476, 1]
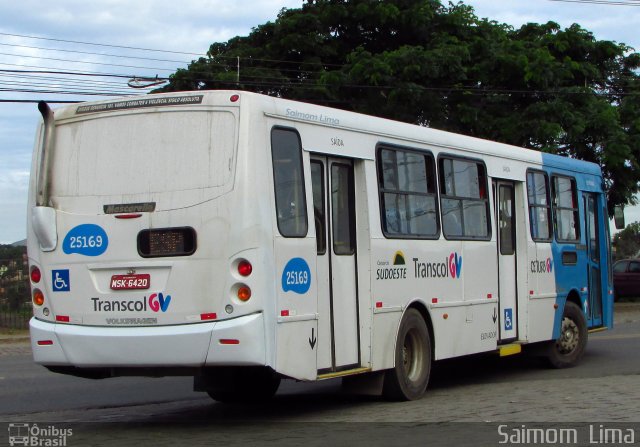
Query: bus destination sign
[141, 103]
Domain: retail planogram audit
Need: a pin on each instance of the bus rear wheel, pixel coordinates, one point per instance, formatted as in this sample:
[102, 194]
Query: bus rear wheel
[569, 348]
[230, 385]
[409, 378]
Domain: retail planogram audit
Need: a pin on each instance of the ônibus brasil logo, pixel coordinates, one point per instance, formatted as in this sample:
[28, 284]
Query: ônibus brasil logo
[156, 302]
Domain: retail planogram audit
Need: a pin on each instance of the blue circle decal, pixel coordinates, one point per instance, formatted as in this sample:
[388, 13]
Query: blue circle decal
[86, 239]
[296, 276]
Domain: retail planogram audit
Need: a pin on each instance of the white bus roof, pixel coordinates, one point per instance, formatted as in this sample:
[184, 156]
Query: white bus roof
[324, 116]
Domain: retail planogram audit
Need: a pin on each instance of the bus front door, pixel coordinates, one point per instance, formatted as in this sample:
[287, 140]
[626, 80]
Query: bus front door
[504, 200]
[334, 215]
[592, 215]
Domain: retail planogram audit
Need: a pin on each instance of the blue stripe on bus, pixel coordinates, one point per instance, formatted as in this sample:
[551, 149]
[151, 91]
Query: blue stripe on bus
[571, 278]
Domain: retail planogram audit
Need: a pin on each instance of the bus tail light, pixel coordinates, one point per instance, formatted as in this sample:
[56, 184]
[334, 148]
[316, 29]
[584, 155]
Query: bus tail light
[35, 275]
[245, 268]
[38, 297]
[244, 293]
[128, 216]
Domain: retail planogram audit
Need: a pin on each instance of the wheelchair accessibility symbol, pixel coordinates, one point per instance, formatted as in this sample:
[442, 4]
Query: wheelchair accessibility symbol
[60, 281]
[508, 319]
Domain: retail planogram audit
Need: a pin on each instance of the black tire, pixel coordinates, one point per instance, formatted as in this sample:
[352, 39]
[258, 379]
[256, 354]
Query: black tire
[569, 348]
[409, 378]
[245, 385]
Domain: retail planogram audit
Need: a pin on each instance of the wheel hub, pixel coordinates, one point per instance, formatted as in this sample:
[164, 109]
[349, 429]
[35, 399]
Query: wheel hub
[569, 336]
[412, 355]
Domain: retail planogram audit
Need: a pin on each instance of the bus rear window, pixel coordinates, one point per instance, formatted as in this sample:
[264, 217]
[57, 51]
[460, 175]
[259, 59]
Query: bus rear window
[144, 153]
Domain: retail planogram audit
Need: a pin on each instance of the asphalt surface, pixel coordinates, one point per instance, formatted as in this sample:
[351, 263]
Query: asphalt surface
[466, 402]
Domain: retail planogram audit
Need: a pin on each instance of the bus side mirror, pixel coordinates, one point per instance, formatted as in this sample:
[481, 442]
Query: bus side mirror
[618, 216]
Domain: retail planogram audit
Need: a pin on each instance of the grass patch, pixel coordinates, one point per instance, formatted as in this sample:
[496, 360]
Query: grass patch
[16, 332]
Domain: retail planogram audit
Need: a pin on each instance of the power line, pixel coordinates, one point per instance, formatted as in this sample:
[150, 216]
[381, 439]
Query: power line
[48, 70]
[92, 53]
[156, 50]
[256, 80]
[99, 44]
[267, 79]
[35, 101]
[211, 60]
[308, 85]
[65, 85]
[69, 81]
[603, 2]
[89, 63]
[68, 92]
[66, 79]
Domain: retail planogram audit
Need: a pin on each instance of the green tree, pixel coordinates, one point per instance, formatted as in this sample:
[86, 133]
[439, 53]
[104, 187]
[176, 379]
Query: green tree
[539, 86]
[13, 277]
[627, 241]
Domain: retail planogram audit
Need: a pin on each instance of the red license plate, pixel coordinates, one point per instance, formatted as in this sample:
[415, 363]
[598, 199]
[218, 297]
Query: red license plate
[129, 282]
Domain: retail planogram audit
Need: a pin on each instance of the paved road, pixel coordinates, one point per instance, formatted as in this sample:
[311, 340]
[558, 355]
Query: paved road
[605, 388]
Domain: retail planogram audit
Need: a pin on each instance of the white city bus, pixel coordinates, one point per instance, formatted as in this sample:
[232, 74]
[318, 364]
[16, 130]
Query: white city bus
[242, 239]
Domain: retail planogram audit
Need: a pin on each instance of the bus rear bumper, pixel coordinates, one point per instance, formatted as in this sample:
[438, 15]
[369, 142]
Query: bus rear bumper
[239, 341]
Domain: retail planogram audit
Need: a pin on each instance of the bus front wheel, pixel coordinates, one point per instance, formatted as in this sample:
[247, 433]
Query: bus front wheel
[568, 349]
[409, 378]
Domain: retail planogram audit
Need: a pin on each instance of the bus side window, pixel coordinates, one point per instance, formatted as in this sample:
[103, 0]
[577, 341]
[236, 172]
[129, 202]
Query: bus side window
[317, 186]
[407, 188]
[539, 206]
[463, 199]
[288, 177]
[565, 209]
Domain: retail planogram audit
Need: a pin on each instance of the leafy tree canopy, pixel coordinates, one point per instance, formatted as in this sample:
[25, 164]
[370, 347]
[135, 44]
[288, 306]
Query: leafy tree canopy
[420, 61]
[11, 252]
[627, 241]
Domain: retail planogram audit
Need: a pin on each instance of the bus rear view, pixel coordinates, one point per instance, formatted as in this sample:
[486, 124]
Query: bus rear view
[240, 239]
[133, 252]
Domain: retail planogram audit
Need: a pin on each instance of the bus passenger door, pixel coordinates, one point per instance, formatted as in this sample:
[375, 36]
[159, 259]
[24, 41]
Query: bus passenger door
[504, 200]
[334, 214]
[592, 226]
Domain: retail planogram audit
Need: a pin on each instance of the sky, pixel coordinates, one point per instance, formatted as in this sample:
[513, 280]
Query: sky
[114, 37]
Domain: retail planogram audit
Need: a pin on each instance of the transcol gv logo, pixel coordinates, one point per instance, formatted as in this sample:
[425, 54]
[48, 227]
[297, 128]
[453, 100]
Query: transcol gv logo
[450, 268]
[156, 302]
[455, 265]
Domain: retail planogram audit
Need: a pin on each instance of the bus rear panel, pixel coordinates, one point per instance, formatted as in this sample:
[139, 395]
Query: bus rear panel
[139, 243]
